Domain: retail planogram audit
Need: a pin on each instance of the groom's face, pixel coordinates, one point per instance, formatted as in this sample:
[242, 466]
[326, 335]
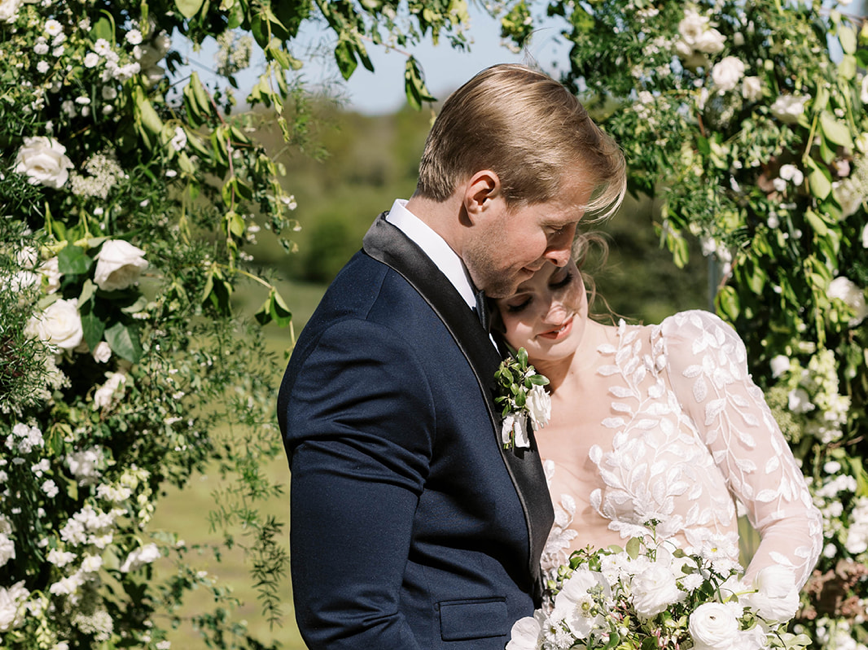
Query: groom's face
[514, 243]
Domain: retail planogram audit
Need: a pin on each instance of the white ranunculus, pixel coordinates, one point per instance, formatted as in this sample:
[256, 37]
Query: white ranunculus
[710, 41]
[575, 606]
[780, 364]
[59, 324]
[787, 108]
[727, 73]
[7, 549]
[44, 162]
[713, 626]
[140, 557]
[119, 264]
[654, 590]
[51, 272]
[526, 633]
[9, 10]
[102, 353]
[842, 288]
[539, 404]
[752, 88]
[777, 597]
[106, 394]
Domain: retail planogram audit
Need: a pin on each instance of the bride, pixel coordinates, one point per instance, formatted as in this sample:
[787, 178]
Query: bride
[657, 422]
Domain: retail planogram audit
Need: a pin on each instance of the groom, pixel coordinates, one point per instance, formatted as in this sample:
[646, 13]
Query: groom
[411, 526]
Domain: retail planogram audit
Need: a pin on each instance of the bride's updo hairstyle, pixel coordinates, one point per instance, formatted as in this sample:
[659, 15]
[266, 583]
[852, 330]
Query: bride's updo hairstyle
[528, 129]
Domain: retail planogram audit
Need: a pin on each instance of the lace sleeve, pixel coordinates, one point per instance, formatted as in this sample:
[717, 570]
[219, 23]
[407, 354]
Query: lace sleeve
[708, 370]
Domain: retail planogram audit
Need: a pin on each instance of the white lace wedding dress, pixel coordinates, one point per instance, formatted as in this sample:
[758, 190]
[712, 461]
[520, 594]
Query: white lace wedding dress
[673, 428]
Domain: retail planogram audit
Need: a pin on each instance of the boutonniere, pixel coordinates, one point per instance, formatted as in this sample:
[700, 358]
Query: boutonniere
[524, 398]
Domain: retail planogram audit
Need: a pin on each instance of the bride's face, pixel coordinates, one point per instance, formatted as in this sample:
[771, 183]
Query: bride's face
[546, 315]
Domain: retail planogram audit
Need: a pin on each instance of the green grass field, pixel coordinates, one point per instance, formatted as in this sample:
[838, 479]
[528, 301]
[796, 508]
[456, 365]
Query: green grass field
[186, 511]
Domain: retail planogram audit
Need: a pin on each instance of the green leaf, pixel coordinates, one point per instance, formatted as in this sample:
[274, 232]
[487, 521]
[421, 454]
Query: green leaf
[280, 313]
[189, 8]
[521, 355]
[820, 182]
[103, 28]
[346, 58]
[633, 547]
[538, 380]
[72, 260]
[727, 303]
[124, 342]
[821, 100]
[847, 36]
[816, 223]
[847, 67]
[414, 85]
[835, 131]
[87, 291]
[92, 326]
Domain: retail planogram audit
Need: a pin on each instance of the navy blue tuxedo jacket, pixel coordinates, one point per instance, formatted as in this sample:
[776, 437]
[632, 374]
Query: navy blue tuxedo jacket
[411, 527]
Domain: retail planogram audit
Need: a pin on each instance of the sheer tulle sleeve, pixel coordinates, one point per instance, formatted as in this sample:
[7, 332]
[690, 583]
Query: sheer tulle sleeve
[707, 366]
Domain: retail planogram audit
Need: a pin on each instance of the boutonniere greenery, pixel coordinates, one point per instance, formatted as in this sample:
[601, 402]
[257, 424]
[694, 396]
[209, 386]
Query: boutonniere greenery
[521, 391]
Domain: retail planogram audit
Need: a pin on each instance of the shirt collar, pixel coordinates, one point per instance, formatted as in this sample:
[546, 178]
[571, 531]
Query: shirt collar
[435, 247]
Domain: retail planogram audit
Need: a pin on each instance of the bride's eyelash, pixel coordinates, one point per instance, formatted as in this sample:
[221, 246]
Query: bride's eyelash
[514, 309]
[560, 284]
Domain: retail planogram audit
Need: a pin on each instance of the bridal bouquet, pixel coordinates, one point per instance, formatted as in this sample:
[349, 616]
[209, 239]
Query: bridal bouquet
[654, 595]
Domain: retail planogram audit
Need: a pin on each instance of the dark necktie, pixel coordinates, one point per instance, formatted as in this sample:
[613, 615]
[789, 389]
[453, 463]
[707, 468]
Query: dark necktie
[482, 311]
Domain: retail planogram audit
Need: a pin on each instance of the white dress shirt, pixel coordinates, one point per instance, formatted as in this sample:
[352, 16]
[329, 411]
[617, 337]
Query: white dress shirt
[435, 247]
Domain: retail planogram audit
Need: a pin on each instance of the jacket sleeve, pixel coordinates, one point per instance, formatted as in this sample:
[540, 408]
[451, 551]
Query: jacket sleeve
[359, 434]
[708, 370]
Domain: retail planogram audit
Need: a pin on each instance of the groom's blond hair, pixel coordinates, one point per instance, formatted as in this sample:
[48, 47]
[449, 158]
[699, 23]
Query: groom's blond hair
[531, 131]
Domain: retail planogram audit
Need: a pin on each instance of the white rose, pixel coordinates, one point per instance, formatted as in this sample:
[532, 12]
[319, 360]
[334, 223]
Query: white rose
[710, 41]
[848, 195]
[654, 590]
[12, 611]
[776, 598]
[50, 271]
[539, 404]
[7, 549]
[727, 73]
[713, 626]
[9, 10]
[842, 288]
[106, 394]
[692, 26]
[102, 353]
[141, 556]
[119, 264]
[751, 88]
[44, 161]
[780, 364]
[792, 173]
[59, 324]
[787, 108]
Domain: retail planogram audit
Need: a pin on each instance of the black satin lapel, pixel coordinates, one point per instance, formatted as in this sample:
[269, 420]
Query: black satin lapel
[387, 244]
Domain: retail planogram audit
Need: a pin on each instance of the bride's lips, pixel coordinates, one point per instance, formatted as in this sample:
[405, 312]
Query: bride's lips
[558, 333]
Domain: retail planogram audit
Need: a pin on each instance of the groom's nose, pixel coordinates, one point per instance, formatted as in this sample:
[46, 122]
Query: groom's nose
[560, 246]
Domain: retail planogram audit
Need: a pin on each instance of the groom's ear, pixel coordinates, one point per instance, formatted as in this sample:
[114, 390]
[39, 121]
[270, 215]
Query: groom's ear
[479, 193]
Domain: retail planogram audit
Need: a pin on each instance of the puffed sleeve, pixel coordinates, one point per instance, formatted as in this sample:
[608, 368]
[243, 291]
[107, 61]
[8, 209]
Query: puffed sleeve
[359, 433]
[708, 370]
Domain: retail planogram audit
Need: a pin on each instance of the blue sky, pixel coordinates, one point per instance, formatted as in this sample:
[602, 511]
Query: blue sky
[383, 91]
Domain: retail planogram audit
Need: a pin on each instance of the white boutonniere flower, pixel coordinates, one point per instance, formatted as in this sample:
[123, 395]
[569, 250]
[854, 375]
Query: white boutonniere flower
[524, 398]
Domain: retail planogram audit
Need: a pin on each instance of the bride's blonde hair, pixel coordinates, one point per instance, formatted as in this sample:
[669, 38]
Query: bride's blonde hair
[590, 252]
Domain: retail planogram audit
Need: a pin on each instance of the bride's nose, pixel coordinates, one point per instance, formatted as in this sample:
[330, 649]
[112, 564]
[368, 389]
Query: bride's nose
[556, 313]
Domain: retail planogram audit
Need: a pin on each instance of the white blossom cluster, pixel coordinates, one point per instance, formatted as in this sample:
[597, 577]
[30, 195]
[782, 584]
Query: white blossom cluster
[837, 635]
[104, 173]
[818, 394]
[698, 39]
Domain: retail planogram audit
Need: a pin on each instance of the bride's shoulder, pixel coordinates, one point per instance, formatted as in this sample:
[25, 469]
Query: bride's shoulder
[696, 333]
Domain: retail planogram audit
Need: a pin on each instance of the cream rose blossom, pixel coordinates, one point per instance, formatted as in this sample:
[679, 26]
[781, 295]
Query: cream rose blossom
[727, 73]
[50, 271]
[119, 264]
[776, 597]
[539, 405]
[9, 10]
[713, 626]
[43, 160]
[751, 88]
[59, 324]
[787, 108]
[102, 353]
[654, 590]
[844, 289]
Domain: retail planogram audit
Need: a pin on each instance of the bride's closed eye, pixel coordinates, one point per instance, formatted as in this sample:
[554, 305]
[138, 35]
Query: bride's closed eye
[556, 285]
